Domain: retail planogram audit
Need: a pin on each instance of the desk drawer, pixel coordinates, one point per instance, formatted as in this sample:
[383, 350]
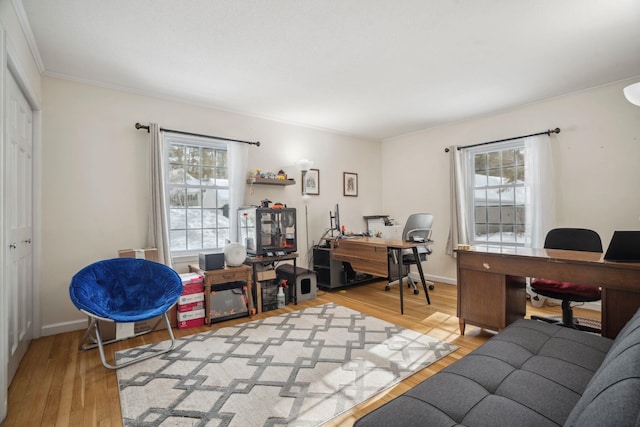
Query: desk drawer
[483, 262]
[228, 276]
[365, 258]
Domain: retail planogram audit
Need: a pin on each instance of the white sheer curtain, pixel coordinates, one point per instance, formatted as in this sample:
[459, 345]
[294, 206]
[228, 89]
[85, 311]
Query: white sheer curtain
[540, 208]
[459, 230]
[158, 236]
[238, 154]
[540, 194]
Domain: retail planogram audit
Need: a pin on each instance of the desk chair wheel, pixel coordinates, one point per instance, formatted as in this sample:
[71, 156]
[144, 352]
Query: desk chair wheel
[431, 287]
[387, 288]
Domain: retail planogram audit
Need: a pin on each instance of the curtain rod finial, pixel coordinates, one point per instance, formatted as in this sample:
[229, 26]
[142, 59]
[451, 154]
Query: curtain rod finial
[140, 126]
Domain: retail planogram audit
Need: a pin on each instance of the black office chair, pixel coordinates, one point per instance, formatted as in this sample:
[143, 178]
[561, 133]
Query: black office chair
[417, 228]
[575, 239]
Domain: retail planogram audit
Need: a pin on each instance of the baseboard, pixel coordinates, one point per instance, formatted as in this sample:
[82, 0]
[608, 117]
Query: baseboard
[60, 328]
[440, 279]
[595, 305]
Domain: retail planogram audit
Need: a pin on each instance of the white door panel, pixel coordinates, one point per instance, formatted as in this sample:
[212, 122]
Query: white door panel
[18, 222]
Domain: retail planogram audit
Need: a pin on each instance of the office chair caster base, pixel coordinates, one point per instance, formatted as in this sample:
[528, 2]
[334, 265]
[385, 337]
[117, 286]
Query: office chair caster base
[545, 319]
[416, 292]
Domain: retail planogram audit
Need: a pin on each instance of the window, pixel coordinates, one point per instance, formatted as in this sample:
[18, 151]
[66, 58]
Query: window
[498, 196]
[198, 186]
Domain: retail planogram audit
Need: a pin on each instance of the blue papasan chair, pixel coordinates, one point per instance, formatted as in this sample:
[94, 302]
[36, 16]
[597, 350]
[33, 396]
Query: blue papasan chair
[124, 290]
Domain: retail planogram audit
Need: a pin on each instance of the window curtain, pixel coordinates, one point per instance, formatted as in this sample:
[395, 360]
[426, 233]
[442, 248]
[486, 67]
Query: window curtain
[238, 159]
[459, 230]
[158, 217]
[540, 202]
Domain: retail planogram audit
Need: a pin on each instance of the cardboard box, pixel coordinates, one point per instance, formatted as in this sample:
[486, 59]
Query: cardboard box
[190, 302]
[192, 288]
[111, 330]
[188, 315]
[191, 306]
[191, 278]
[189, 319]
[150, 254]
[190, 298]
[265, 275]
[183, 324]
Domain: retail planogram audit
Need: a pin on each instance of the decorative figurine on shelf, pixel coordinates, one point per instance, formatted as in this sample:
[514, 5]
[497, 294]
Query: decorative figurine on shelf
[281, 175]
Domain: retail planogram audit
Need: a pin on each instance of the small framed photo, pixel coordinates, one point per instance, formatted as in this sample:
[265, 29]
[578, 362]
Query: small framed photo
[311, 182]
[350, 184]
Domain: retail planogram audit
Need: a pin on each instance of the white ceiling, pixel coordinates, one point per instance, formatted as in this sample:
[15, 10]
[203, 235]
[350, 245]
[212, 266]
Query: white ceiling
[369, 68]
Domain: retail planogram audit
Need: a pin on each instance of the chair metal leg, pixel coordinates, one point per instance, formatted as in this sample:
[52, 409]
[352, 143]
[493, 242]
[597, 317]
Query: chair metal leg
[544, 319]
[568, 320]
[89, 340]
[424, 282]
[100, 344]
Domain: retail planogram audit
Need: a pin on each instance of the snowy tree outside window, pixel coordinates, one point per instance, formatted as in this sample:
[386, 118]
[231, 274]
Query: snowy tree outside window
[198, 193]
[498, 196]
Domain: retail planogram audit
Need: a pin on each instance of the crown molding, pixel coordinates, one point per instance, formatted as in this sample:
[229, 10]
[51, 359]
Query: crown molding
[28, 34]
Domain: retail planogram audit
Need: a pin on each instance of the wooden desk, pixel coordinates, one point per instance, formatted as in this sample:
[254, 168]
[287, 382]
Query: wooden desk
[371, 255]
[220, 276]
[491, 283]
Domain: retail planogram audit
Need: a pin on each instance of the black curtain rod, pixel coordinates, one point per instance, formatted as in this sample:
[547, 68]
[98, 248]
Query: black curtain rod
[547, 132]
[140, 126]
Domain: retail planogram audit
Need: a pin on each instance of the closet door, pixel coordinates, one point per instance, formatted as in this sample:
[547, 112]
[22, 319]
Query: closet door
[18, 163]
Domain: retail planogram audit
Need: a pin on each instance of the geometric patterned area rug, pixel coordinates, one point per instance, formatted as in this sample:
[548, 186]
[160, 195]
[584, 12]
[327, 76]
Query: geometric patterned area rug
[296, 369]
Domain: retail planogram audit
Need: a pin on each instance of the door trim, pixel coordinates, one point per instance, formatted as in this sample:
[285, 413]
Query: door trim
[17, 70]
[10, 61]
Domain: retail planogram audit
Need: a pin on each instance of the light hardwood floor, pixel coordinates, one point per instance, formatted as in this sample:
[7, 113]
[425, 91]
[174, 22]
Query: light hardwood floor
[58, 385]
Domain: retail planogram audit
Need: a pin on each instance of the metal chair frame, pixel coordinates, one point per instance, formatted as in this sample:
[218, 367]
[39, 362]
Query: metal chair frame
[408, 257]
[92, 339]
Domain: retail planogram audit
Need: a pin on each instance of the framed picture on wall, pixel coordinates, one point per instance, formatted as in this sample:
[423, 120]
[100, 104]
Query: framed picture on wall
[350, 184]
[311, 182]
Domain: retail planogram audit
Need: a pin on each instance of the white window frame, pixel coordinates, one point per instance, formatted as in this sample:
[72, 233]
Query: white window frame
[519, 192]
[222, 231]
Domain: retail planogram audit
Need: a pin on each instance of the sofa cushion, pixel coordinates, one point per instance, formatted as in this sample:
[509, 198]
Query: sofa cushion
[612, 397]
[532, 373]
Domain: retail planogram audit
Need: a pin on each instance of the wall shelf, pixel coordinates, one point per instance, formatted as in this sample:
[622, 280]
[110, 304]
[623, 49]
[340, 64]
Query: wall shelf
[267, 181]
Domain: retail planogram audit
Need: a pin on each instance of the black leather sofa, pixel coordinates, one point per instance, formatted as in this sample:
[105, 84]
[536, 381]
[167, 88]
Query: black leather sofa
[531, 374]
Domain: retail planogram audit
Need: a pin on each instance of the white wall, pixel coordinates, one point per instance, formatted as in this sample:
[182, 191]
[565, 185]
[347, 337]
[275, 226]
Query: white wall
[94, 173]
[597, 159]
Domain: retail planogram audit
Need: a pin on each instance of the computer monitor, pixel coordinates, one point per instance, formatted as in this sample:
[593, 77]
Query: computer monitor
[335, 220]
[624, 247]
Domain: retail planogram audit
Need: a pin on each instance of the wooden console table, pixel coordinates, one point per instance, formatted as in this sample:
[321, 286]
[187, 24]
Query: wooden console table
[220, 276]
[491, 283]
